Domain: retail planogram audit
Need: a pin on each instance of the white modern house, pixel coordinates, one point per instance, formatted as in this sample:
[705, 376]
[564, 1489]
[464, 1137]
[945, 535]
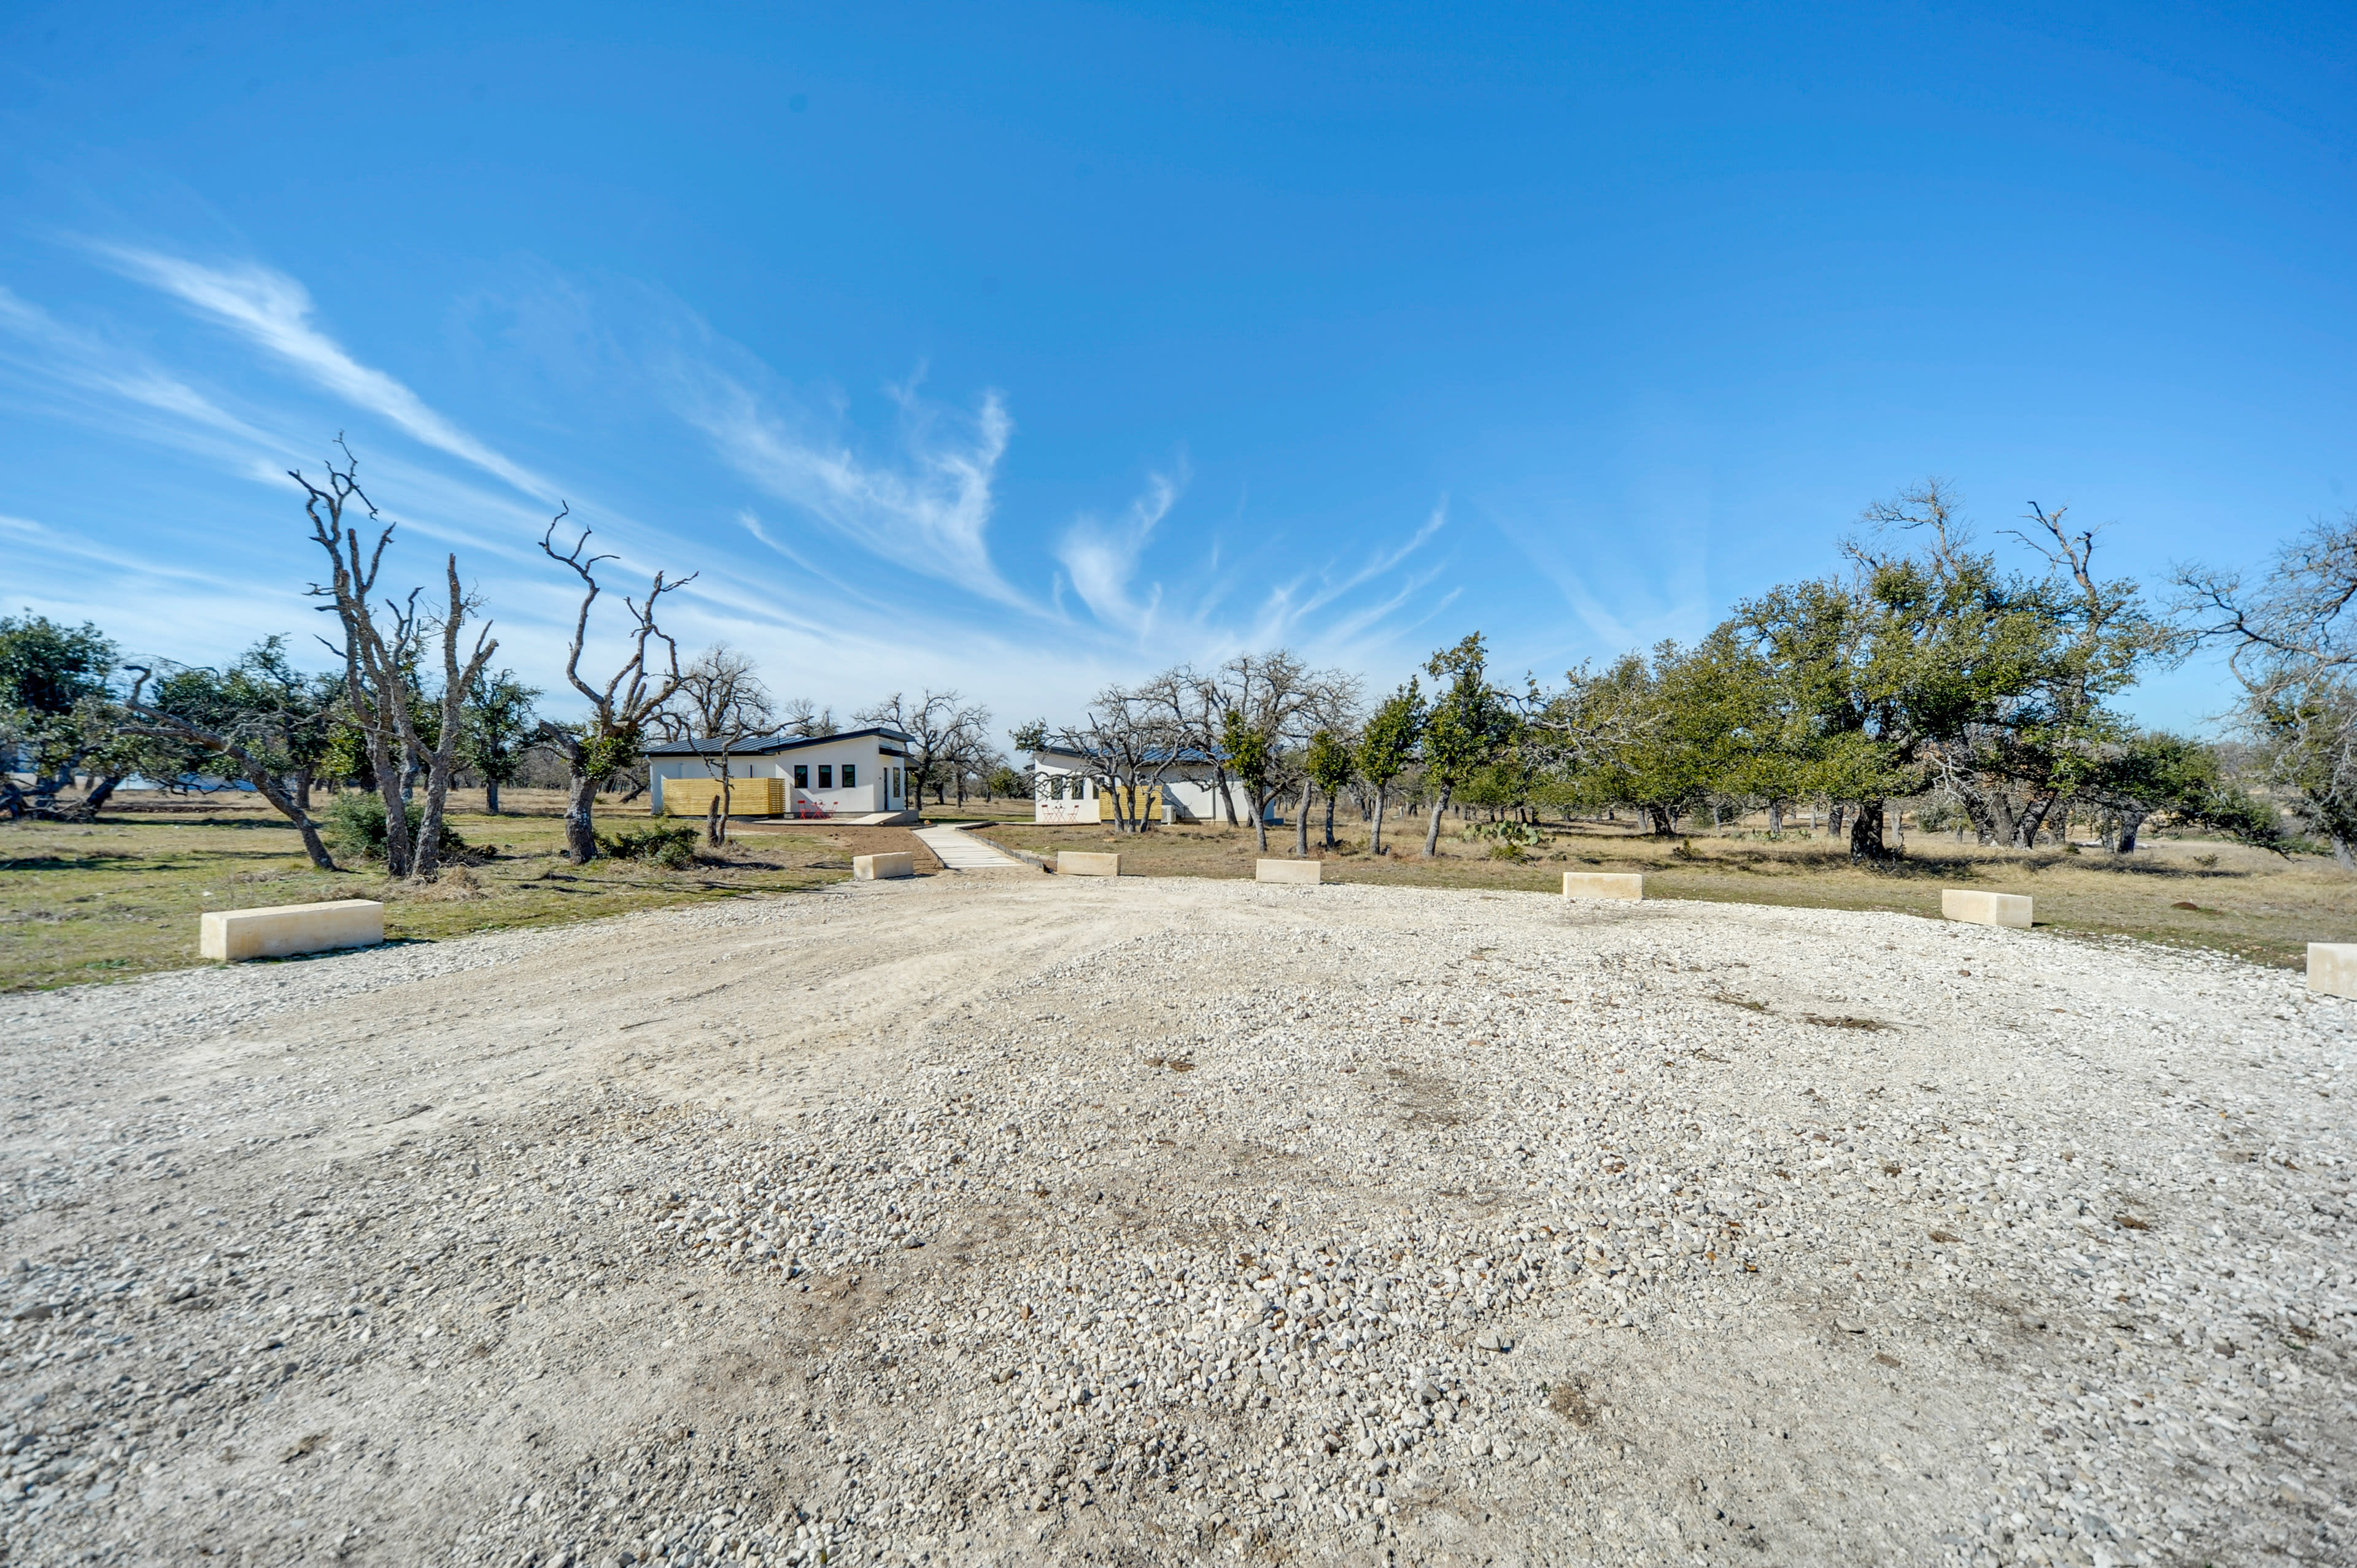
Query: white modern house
[860, 773]
[1064, 791]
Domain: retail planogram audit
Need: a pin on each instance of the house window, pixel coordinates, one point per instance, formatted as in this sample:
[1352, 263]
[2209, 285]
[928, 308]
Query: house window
[801, 774]
[825, 775]
[851, 775]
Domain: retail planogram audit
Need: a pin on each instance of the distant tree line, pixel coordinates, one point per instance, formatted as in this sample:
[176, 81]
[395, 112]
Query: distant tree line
[414, 707]
[1923, 671]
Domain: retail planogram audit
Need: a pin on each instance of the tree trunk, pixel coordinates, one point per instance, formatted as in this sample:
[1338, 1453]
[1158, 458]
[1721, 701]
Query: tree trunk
[1977, 811]
[99, 795]
[1432, 829]
[427, 856]
[491, 796]
[1775, 819]
[2124, 839]
[1260, 820]
[1301, 826]
[2004, 818]
[2033, 818]
[1662, 826]
[580, 827]
[2344, 853]
[1834, 820]
[398, 853]
[1227, 802]
[256, 774]
[712, 821]
[1865, 833]
[1375, 843]
[1330, 824]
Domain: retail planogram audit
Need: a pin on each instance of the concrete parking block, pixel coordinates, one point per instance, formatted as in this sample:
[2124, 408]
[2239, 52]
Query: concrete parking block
[232, 936]
[2332, 967]
[1311, 870]
[883, 868]
[1985, 908]
[1603, 885]
[1086, 863]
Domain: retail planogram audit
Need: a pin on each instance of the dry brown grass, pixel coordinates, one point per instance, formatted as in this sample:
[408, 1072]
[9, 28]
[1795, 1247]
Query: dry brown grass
[120, 897]
[2186, 892]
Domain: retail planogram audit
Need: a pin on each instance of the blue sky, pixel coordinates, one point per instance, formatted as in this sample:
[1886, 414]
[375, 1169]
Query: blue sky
[1017, 348]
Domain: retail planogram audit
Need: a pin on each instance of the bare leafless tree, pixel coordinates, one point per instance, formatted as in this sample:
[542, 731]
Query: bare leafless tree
[720, 705]
[376, 666]
[941, 727]
[1126, 741]
[458, 680]
[381, 649]
[606, 741]
[1193, 702]
[1280, 700]
[800, 716]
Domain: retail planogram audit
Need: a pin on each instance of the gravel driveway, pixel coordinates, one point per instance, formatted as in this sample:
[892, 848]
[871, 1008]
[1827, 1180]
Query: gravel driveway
[998, 1219]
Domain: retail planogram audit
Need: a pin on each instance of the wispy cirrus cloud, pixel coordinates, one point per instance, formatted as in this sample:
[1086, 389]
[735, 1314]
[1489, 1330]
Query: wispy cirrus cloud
[274, 312]
[53, 354]
[1101, 559]
[1290, 605]
[878, 542]
[929, 512]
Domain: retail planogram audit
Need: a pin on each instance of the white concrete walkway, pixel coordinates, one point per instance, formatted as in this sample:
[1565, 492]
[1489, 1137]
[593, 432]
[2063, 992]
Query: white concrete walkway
[961, 851]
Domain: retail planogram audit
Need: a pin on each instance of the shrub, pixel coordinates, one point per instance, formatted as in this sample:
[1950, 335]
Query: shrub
[672, 848]
[353, 824]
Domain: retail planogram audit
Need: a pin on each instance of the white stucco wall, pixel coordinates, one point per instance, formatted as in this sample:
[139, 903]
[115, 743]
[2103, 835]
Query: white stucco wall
[882, 777]
[1193, 794]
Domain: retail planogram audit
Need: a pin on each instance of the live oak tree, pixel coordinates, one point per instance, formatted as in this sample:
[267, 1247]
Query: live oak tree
[1470, 723]
[608, 739]
[499, 727]
[1387, 748]
[2045, 744]
[1887, 678]
[1251, 758]
[269, 724]
[1664, 734]
[2136, 776]
[2291, 638]
[57, 714]
[1332, 766]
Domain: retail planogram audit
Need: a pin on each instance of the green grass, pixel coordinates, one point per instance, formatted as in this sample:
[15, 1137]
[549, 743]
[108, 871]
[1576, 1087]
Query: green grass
[2252, 905]
[121, 897]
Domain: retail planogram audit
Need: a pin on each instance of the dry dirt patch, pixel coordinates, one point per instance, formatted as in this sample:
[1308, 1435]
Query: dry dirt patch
[1006, 1218]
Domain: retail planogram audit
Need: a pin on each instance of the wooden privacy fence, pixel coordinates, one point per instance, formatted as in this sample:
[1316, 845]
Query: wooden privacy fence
[747, 797]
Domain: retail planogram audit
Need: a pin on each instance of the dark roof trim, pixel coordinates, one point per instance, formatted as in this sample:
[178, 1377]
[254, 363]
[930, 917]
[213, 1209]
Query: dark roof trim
[768, 744]
[1185, 754]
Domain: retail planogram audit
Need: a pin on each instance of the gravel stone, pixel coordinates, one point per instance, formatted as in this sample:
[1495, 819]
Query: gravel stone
[975, 1220]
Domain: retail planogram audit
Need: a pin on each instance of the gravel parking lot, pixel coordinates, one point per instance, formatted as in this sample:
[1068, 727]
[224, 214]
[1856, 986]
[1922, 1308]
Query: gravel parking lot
[1007, 1219]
